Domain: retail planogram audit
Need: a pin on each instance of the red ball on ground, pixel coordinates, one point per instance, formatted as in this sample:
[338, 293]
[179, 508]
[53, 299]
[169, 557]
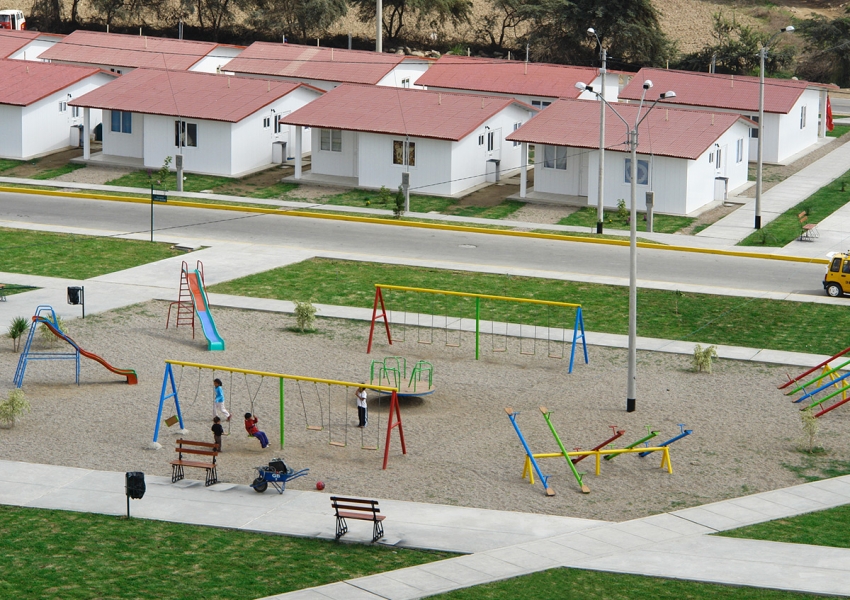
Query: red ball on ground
[320, 485]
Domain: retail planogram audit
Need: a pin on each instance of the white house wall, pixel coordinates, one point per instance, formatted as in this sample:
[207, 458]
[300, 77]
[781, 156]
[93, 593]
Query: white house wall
[560, 181]
[125, 144]
[792, 138]
[212, 155]
[668, 178]
[430, 174]
[327, 162]
[217, 59]
[408, 69]
[11, 123]
[33, 50]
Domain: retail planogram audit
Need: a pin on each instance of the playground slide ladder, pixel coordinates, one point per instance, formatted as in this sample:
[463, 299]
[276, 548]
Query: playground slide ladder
[185, 306]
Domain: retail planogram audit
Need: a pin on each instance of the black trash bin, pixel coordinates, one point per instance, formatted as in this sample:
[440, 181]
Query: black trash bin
[135, 484]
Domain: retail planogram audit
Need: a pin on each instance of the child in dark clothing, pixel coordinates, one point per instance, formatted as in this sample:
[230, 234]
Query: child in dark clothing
[218, 431]
[252, 429]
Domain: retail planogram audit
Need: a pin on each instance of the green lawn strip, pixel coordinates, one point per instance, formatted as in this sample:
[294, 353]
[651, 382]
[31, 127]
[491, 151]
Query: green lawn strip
[567, 584]
[373, 199]
[73, 555]
[586, 217]
[822, 528]
[273, 192]
[663, 314]
[6, 164]
[838, 130]
[10, 289]
[51, 173]
[321, 211]
[500, 211]
[786, 227]
[192, 183]
[73, 256]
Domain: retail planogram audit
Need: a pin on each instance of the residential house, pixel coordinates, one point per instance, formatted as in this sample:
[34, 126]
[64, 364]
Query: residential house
[219, 124]
[791, 107]
[327, 68]
[25, 44]
[122, 53]
[689, 159]
[537, 84]
[367, 136]
[35, 115]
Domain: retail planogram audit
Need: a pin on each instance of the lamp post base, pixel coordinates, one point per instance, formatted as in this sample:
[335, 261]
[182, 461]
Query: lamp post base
[599, 227]
[758, 222]
[631, 405]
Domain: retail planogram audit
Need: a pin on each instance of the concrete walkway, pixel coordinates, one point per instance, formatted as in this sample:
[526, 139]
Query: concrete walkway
[497, 544]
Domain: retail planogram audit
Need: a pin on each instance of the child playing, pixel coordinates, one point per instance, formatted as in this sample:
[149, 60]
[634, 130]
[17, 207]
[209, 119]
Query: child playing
[252, 429]
[218, 431]
[219, 400]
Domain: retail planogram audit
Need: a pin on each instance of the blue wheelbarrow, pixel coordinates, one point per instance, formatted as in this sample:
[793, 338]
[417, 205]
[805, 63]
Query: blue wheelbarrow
[277, 474]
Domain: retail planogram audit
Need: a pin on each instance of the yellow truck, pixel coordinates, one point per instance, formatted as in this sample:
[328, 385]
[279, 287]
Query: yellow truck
[837, 279]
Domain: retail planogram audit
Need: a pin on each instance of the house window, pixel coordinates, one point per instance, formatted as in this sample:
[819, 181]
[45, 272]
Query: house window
[491, 140]
[541, 104]
[400, 157]
[480, 140]
[76, 111]
[122, 121]
[710, 157]
[642, 171]
[185, 134]
[719, 153]
[739, 150]
[331, 140]
[63, 106]
[267, 121]
[555, 157]
[517, 126]
[802, 117]
[754, 132]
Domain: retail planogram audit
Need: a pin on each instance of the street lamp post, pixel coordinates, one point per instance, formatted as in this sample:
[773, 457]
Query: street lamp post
[603, 56]
[759, 163]
[632, 132]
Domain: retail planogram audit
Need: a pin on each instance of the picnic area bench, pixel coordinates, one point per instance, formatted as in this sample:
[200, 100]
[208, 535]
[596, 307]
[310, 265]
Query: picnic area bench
[189, 447]
[807, 230]
[359, 509]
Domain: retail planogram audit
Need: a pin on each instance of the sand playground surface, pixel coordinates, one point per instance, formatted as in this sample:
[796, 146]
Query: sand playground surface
[462, 449]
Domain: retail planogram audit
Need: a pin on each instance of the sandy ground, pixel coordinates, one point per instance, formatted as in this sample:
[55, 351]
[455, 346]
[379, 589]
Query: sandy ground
[462, 449]
[542, 213]
[93, 174]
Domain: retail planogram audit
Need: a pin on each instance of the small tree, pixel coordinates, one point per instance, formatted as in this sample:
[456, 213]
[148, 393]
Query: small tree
[384, 195]
[622, 211]
[810, 429]
[17, 328]
[47, 336]
[160, 178]
[398, 209]
[13, 408]
[702, 358]
[305, 315]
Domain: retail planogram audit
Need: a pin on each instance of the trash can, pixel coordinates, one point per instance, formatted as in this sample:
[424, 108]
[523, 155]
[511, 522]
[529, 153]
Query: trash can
[75, 295]
[135, 484]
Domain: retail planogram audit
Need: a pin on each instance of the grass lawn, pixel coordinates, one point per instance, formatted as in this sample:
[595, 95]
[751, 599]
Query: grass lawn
[663, 314]
[10, 289]
[73, 256]
[193, 183]
[576, 584]
[838, 131]
[500, 211]
[786, 228]
[6, 164]
[70, 555]
[273, 191]
[51, 173]
[822, 528]
[586, 217]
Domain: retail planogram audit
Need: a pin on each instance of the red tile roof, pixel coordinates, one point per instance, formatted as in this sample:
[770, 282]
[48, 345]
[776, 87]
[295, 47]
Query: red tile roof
[506, 77]
[12, 41]
[733, 92]
[666, 132]
[187, 94]
[313, 62]
[397, 111]
[130, 51]
[26, 82]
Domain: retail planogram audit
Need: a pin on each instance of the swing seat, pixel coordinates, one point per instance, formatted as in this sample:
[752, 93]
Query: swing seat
[338, 444]
[314, 427]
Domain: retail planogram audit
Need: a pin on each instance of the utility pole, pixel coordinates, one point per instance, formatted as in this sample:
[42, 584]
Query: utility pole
[379, 26]
[600, 213]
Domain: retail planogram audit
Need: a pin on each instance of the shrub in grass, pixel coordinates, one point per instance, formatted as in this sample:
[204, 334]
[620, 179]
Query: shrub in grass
[703, 357]
[305, 315]
[384, 196]
[47, 336]
[810, 431]
[13, 407]
[17, 328]
[398, 208]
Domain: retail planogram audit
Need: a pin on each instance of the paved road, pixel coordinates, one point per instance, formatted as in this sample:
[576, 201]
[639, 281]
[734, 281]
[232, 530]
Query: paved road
[587, 261]
[840, 106]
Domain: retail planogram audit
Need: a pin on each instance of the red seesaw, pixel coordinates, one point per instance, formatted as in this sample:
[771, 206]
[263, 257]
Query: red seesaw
[617, 433]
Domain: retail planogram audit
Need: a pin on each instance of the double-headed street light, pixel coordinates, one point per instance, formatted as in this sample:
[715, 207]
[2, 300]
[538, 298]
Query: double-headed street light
[632, 132]
[603, 56]
[762, 54]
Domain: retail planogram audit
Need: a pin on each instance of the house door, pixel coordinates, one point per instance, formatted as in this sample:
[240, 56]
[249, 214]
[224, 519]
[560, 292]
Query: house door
[582, 174]
[720, 162]
[494, 144]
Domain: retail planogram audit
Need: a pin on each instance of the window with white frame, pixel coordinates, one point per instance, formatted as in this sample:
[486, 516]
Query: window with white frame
[541, 104]
[491, 140]
[517, 126]
[185, 134]
[267, 121]
[719, 155]
[481, 140]
[404, 157]
[331, 140]
[63, 106]
[739, 150]
[278, 126]
[555, 157]
[710, 157]
[642, 171]
[802, 117]
[76, 111]
[122, 121]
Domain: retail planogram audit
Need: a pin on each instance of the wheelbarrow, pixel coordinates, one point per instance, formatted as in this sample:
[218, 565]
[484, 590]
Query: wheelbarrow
[277, 474]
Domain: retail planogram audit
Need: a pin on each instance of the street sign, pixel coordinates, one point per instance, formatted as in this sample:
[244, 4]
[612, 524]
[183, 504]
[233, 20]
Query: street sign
[159, 197]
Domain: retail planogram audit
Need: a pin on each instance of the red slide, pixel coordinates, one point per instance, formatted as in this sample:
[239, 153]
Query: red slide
[130, 374]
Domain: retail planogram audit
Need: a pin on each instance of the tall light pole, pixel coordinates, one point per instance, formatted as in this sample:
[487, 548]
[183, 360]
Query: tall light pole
[603, 56]
[632, 132]
[759, 163]
[379, 24]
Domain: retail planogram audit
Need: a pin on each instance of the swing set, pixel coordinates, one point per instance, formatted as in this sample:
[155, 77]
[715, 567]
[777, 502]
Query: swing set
[430, 310]
[170, 390]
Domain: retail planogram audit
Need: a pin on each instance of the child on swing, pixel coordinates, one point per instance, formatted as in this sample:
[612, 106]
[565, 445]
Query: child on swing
[252, 429]
[218, 402]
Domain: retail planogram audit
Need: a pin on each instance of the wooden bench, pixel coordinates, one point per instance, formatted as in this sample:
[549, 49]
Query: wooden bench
[359, 509]
[807, 230]
[210, 467]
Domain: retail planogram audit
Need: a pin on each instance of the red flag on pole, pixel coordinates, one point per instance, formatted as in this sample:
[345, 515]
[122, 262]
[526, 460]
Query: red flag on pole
[829, 124]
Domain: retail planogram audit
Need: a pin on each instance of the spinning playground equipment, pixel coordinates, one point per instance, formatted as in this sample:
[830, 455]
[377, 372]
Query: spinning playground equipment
[393, 370]
[830, 383]
[192, 299]
[393, 421]
[455, 312]
[599, 452]
[45, 315]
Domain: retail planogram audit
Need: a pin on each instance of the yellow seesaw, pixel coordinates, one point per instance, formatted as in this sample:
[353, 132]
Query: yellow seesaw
[665, 458]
